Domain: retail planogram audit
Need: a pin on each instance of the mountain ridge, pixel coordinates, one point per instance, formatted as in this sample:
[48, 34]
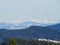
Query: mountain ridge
[33, 32]
[20, 25]
[54, 27]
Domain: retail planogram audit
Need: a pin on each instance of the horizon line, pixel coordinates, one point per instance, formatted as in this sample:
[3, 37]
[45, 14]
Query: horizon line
[38, 21]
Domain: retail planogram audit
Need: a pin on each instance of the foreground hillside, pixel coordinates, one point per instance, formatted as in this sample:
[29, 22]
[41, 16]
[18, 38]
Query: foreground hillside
[16, 41]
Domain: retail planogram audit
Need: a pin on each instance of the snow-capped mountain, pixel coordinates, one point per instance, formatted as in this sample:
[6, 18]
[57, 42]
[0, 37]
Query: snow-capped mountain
[20, 25]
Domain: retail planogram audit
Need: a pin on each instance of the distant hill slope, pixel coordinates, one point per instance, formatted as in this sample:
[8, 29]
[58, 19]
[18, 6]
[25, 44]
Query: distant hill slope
[54, 27]
[33, 32]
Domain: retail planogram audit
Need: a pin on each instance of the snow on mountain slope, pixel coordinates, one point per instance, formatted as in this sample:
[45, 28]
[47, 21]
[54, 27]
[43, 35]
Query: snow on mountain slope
[20, 25]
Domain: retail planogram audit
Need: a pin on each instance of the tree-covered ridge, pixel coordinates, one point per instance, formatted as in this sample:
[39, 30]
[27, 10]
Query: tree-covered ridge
[16, 41]
[33, 32]
[29, 36]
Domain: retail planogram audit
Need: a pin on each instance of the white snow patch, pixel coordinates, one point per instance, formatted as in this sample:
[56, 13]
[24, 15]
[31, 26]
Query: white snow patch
[48, 40]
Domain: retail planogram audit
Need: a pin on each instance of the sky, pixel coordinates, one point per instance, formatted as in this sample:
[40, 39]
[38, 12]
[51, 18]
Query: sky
[20, 10]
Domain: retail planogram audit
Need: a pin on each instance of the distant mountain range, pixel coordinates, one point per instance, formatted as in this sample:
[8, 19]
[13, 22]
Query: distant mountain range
[20, 25]
[33, 32]
[24, 25]
[30, 30]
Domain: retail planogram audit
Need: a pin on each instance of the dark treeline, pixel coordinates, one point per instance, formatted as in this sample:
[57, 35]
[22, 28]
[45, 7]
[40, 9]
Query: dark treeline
[15, 41]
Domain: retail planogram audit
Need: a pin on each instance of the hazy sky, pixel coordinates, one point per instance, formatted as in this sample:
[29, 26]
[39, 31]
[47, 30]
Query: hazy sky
[30, 10]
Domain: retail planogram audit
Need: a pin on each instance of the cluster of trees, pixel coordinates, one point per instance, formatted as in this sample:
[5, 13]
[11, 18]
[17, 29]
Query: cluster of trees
[15, 41]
